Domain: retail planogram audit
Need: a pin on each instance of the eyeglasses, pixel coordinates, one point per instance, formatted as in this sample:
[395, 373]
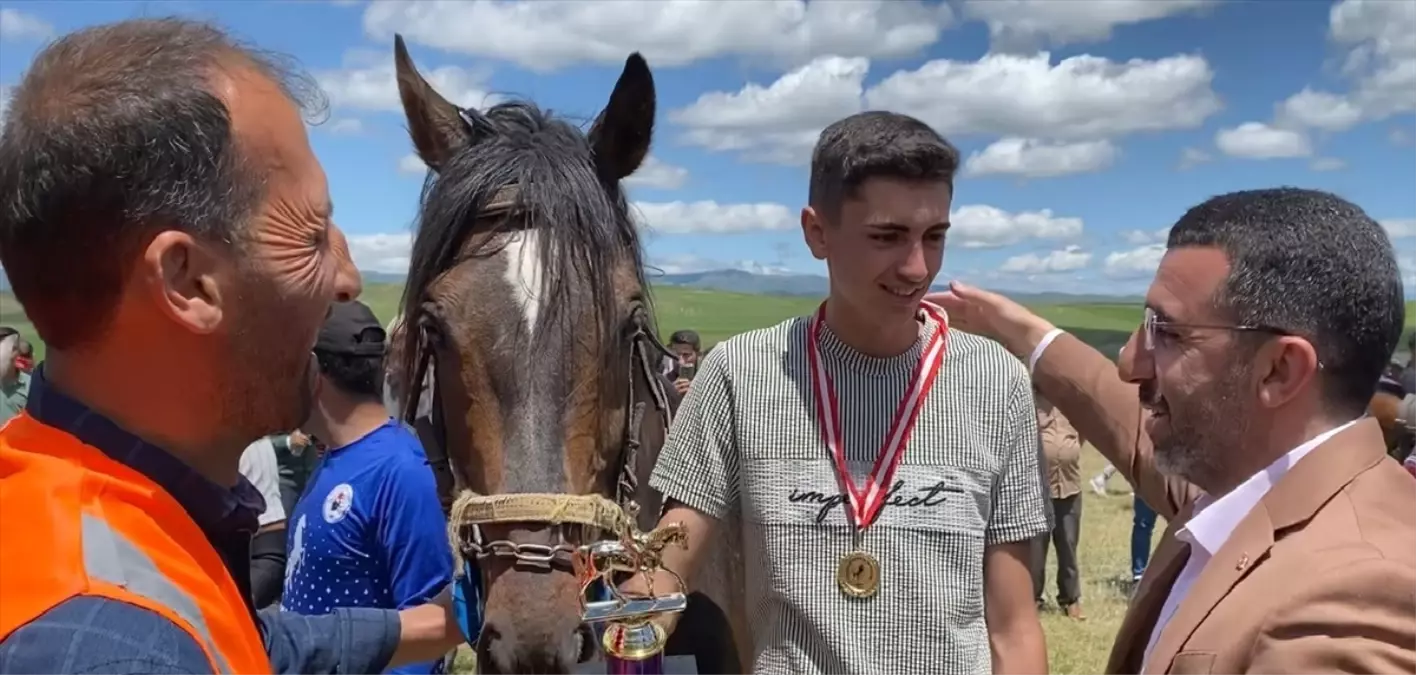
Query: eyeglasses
[1152, 329]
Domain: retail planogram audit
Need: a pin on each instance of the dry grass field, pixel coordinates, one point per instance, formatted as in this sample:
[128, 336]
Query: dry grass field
[1074, 647]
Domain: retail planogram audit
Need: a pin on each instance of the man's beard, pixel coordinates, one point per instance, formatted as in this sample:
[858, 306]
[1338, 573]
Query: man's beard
[1207, 428]
[269, 390]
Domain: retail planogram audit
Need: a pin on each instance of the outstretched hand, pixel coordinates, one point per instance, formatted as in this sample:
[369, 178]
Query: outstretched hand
[991, 315]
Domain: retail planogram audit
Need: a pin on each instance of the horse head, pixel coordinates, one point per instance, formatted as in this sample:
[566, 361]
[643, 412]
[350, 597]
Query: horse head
[526, 298]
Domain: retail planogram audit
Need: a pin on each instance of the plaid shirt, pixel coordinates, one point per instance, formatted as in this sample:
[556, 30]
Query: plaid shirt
[88, 634]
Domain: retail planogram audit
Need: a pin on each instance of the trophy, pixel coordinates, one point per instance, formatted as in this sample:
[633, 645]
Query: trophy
[632, 641]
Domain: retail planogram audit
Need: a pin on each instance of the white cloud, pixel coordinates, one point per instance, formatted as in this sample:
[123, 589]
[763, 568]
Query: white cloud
[1193, 157]
[1327, 164]
[1256, 140]
[544, 35]
[972, 226]
[1139, 237]
[1026, 25]
[17, 25]
[711, 217]
[780, 122]
[657, 174]
[1032, 158]
[1082, 98]
[345, 126]
[412, 164]
[1318, 109]
[1134, 264]
[1400, 228]
[1069, 259]
[1379, 39]
[981, 226]
[381, 252]
[374, 86]
[1406, 268]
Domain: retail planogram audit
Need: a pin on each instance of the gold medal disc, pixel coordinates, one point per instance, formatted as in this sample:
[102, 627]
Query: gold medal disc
[858, 574]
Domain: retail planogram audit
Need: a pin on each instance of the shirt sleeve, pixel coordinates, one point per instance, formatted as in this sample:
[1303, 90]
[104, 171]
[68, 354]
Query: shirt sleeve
[1022, 508]
[412, 533]
[259, 465]
[89, 634]
[698, 464]
[348, 640]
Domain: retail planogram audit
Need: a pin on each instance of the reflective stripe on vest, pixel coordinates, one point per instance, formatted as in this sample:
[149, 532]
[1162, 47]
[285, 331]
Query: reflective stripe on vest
[110, 557]
[91, 526]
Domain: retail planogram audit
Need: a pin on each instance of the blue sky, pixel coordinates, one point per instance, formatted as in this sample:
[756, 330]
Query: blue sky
[1087, 126]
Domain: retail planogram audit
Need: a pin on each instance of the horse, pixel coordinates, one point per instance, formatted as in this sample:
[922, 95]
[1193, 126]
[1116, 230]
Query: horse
[527, 302]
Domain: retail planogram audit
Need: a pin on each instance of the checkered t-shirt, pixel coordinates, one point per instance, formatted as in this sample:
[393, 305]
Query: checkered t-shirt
[747, 438]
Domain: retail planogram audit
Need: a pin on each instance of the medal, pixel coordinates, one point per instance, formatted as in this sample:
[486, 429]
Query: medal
[858, 573]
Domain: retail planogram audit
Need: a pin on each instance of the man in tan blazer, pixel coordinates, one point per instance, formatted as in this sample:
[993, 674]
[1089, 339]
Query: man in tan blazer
[1238, 414]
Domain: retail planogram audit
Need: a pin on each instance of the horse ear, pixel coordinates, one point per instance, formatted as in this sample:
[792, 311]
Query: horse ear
[622, 132]
[436, 126]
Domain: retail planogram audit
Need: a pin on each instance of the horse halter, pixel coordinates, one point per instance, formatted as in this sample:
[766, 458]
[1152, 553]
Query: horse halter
[593, 513]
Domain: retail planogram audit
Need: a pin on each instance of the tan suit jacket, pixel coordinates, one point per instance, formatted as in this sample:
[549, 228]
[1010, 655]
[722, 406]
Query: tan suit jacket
[1320, 577]
[1062, 448]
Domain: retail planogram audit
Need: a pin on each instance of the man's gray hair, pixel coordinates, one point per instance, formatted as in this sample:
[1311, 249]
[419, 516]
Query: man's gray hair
[116, 132]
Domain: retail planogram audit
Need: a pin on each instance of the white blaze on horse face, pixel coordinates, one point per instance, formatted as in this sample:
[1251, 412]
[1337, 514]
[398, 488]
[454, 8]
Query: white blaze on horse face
[523, 274]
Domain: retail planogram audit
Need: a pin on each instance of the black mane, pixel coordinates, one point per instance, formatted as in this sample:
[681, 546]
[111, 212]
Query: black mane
[583, 216]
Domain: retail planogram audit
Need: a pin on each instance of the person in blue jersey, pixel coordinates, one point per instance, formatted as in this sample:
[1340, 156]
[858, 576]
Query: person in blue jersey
[368, 531]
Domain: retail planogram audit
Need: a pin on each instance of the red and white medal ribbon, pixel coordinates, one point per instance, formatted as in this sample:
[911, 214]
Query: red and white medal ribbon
[865, 501]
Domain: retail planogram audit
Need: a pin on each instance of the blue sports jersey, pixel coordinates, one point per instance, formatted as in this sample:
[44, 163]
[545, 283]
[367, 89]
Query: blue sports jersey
[369, 531]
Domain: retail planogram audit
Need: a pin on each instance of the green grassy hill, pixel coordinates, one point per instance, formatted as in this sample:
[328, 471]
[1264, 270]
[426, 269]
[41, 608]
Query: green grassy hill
[718, 315]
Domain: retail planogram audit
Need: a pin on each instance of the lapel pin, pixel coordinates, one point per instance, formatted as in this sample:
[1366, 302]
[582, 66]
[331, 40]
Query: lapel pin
[1243, 562]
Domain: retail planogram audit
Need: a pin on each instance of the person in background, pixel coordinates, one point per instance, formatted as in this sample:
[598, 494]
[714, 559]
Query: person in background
[369, 531]
[165, 168]
[14, 381]
[686, 348]
[258, 465]
[1238, 412]
[1408, 374]
[1142, 525]
[1142, 534]
[296, 457]
[936, 573]
[1062, 447]
[24, 355]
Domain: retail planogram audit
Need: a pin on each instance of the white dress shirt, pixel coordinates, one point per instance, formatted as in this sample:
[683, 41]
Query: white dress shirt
[1215, 520]
[259, 465]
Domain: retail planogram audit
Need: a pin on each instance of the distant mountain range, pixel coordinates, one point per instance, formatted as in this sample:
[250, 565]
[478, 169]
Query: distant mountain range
[739, 281]
[810, 285]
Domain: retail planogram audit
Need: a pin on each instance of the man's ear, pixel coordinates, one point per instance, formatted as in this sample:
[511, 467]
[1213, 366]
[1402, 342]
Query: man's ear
[185, 279]
[1287, 365]
[813, 231]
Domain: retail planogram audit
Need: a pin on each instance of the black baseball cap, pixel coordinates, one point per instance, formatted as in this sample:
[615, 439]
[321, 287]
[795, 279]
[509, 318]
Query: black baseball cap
[351, 329]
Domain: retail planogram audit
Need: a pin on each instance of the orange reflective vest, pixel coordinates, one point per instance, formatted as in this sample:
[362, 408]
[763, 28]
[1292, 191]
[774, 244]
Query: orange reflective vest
[76, 522]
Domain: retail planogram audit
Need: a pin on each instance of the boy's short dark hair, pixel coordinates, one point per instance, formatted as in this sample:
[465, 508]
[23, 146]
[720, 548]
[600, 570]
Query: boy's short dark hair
[875, 144]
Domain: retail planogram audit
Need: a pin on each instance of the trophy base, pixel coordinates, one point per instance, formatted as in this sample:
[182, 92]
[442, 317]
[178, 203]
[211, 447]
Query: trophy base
[672, 665]
[641, 640]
